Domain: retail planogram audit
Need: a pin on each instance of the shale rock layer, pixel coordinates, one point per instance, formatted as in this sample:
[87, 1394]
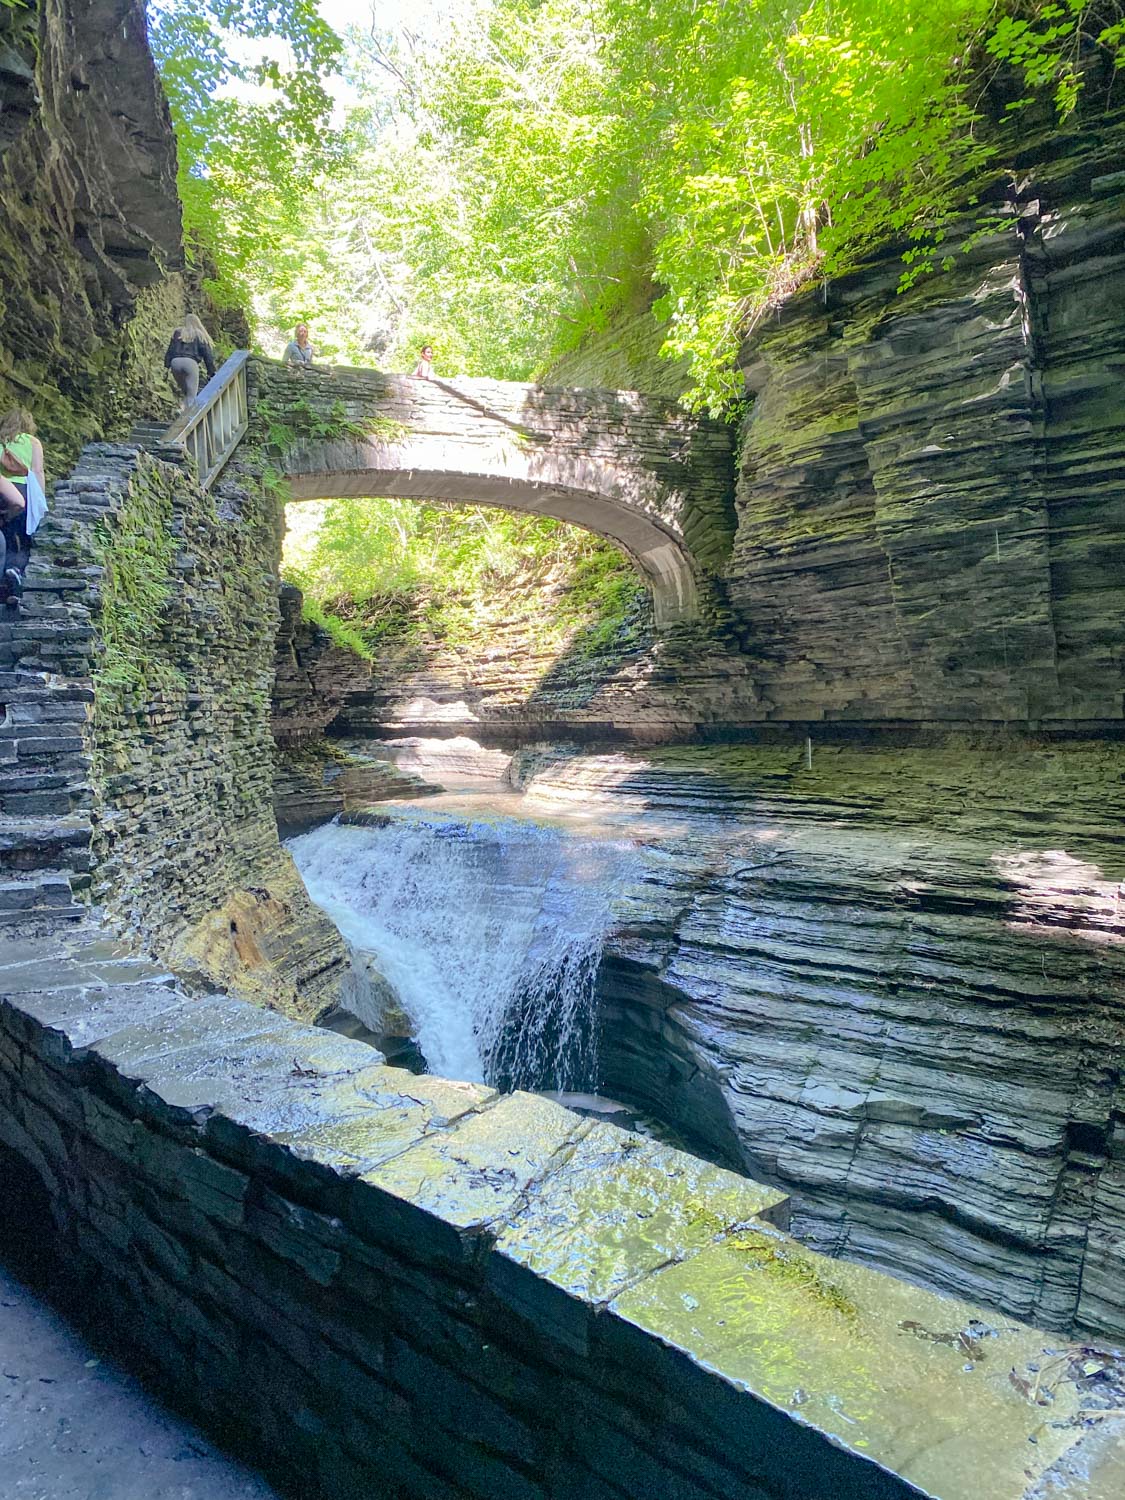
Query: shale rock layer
[893, 984]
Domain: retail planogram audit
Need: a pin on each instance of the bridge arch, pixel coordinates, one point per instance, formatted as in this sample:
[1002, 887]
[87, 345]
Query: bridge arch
[641, 472]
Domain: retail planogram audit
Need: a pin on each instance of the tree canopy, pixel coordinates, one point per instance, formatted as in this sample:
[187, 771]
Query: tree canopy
[507, 173]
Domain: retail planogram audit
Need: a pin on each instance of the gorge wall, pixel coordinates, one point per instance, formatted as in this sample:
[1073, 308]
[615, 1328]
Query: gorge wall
[91, 258]
[929, 504]
[892, 983]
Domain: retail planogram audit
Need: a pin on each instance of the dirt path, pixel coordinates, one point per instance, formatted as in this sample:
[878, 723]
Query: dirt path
[73, 1427]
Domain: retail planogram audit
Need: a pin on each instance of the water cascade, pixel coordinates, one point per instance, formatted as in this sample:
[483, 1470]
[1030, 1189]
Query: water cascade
[489, 930]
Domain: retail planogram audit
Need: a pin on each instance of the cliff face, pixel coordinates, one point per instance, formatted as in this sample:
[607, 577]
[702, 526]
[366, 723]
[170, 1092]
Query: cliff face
[312, 675]
[892, 983]
[90, 238]
[930, 498]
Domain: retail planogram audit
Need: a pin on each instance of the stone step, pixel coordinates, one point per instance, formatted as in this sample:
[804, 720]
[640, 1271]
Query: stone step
[29, 802]
[12, 682]
[65, 711]
[33, 779]
[37, 889]
[44, 843]
[148, 434]
[60, 690]
[38, 917]
[33, 741]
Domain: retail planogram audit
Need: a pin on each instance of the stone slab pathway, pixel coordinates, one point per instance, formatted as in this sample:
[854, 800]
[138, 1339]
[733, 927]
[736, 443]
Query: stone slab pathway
[74, 1427]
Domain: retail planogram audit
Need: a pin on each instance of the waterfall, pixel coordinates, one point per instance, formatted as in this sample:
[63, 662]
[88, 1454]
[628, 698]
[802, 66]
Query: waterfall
[490, 931]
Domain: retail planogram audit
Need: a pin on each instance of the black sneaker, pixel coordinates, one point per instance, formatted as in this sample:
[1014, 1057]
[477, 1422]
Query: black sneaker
[13, 586]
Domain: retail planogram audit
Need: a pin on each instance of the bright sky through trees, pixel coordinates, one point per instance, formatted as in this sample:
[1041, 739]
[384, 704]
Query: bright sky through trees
[506, 172]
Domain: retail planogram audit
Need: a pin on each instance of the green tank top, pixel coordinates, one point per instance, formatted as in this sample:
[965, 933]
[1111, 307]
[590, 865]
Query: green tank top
[22, 446]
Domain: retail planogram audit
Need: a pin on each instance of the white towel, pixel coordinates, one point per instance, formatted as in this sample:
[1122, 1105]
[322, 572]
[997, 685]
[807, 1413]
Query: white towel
[36, 503]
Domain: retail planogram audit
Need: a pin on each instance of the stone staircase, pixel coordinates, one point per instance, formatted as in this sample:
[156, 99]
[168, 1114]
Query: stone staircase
[147, 433]
[46, 696]
[46, 690]
[44, 797]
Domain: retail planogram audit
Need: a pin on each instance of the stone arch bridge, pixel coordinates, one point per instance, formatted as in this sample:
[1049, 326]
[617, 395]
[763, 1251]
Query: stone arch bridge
[637, 469]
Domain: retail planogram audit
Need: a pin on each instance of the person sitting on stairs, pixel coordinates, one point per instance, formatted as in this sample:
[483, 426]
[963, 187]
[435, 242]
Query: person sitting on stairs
[189, 346]
[21, 471]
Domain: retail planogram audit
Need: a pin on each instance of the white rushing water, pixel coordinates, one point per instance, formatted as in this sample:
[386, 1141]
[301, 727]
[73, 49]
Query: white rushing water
[489, 929]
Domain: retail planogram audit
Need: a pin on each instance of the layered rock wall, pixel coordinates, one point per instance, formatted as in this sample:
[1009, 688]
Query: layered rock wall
[90, 239]
[931, 486]
[893, 983]
[312, 675]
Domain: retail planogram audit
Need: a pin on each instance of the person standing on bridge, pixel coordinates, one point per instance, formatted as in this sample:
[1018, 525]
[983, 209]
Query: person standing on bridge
[189, 347]
[424, 369]
[298, 351]
[22, 501]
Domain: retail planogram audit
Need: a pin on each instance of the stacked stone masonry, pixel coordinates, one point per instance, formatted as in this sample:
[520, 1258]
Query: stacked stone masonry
[446, 1293]
[140, 741]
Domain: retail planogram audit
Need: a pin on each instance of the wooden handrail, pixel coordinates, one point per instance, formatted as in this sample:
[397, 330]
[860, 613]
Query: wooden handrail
[213, 425]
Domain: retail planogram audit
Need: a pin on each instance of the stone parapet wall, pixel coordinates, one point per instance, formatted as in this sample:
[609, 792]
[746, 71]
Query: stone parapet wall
[412, 1289]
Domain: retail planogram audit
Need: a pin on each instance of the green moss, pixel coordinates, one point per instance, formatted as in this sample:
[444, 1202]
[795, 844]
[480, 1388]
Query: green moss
[346, 636]
[136, 549]
[279, 427]
[782, 1260]
[106, 387]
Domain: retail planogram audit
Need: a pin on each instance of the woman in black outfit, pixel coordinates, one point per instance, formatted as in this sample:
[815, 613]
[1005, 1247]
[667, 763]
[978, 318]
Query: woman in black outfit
[189, 346]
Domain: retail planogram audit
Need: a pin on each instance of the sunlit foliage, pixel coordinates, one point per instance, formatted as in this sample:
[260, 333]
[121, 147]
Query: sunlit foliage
[516, 168]
[376, 569]
[245, 83]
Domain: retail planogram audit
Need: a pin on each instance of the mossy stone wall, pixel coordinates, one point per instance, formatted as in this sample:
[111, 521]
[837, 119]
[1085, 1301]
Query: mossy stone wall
[165, 597]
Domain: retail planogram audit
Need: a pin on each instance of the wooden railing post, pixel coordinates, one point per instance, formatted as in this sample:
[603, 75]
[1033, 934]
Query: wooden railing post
[213, 425]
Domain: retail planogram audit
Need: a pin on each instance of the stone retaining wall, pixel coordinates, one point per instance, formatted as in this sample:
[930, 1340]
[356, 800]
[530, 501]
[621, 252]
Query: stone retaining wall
[412, 1289]
[158, 602]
